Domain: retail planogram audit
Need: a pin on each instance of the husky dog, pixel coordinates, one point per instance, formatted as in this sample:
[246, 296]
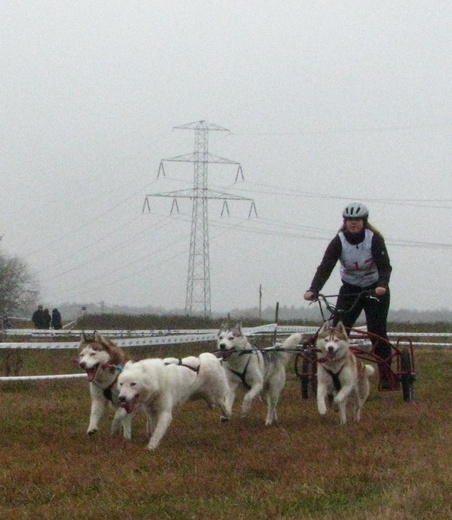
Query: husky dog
[255, 370]
[162, 384]
[103, 361]
[341, 376]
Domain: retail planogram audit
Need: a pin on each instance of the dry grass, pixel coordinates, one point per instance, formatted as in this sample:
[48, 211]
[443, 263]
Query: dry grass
[394, 465]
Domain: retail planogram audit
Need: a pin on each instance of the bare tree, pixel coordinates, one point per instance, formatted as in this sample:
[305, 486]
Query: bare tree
[18, 287]
[18, 291]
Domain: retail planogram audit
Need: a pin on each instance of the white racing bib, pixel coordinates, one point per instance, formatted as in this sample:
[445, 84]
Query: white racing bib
[357, 263]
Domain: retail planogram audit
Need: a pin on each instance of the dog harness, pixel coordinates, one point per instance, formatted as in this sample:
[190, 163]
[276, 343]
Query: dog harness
[242, 375]
[108, 392]
[335, 377]
[180, 364]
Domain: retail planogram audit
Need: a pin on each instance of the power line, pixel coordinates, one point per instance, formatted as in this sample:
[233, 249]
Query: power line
[260, 226]
[290, 192]
[98, 216]
[351, 130]
[285, 230]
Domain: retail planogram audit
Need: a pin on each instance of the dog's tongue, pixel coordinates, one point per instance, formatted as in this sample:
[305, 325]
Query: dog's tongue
[129, 406]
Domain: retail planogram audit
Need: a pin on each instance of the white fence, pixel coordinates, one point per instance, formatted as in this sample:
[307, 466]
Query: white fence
[154, 338]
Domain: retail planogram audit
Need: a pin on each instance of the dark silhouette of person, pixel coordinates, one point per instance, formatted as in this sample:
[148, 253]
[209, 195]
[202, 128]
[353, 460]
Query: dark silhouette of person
[38, 318]
[46, 319]
[56, 319]
[6, 323]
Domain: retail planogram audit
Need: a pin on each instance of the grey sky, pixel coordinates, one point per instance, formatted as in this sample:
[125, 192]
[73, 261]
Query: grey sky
[326, 102]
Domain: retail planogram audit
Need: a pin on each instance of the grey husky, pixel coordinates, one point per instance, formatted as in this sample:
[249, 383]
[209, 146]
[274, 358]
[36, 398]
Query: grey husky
[258, 371]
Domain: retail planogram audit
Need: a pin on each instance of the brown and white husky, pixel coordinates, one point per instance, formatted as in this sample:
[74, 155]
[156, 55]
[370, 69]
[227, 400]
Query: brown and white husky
[341, 376]
[103, 361]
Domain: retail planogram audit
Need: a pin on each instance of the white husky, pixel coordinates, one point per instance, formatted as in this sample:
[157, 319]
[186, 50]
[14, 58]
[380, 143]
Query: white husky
[256, 370]
[340, 374]
[103, 360]
[161, 384]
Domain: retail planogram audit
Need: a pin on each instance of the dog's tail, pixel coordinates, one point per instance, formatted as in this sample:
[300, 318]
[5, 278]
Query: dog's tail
[370, 370]
[285, 351]
[292, 341]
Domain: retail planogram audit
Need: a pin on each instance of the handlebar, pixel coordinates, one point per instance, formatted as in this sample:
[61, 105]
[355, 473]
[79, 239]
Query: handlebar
[322, 300]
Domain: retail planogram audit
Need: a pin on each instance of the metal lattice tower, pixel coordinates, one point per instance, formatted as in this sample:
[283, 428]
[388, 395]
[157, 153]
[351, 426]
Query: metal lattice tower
[198, 291]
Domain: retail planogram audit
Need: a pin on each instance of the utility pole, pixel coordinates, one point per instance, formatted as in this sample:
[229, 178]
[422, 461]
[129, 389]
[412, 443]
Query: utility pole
[198, 291]
[260, 301]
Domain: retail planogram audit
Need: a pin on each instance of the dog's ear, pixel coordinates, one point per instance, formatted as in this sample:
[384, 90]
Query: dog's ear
[341, 329]
[86, 338]
[324, 328]
[223, 326]
[238, 326]
[98, 337]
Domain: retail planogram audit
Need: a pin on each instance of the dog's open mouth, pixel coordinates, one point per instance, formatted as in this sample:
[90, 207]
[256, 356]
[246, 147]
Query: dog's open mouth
[91, 372]
[129, 406]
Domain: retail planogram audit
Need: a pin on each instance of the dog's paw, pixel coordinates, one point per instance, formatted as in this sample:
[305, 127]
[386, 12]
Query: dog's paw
[223, 418]
[91, 432]
[246, 408]
[322, 408]
[338, 399]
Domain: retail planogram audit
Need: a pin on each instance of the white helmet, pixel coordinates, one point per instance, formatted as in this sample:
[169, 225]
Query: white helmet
[355, 210]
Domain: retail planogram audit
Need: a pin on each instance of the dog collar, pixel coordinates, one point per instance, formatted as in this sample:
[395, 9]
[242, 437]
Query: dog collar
[325, 359]
[119, 368]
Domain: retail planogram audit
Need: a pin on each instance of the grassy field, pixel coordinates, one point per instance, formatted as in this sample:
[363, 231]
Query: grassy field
[396, 464]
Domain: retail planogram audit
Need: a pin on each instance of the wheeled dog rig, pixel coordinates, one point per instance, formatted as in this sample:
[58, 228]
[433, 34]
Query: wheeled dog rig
[399, 369]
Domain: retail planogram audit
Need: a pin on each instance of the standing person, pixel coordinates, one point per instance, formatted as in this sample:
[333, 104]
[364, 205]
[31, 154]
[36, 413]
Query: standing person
[38, 318]
[46, 319]
[365, 265]
[6, 323]
[56, 319]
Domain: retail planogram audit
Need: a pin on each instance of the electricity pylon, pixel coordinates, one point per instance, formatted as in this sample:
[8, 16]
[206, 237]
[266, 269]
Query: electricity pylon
[198, 292]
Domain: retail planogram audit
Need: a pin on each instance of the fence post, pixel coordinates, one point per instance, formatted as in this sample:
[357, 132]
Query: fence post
[276, 321]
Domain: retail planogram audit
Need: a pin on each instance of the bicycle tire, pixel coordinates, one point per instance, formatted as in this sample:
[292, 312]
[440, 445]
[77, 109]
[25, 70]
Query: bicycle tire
[407, 377]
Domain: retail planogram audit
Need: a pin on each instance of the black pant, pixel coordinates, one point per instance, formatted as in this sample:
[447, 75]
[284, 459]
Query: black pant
[376, 310]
